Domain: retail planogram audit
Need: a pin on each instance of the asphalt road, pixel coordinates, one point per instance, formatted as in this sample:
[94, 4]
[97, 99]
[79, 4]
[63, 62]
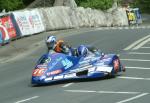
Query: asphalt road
[133, 46]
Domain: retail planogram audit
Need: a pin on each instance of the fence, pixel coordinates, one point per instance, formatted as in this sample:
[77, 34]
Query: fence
[30, 21]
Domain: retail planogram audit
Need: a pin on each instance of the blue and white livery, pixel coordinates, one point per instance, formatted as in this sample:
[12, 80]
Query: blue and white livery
[53, 67]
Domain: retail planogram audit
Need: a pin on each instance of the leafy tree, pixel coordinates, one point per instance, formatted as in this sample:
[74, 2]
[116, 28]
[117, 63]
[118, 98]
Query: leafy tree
[79, 1]
[10, 5]
[96, 4]
[144, 5]
[27, 2]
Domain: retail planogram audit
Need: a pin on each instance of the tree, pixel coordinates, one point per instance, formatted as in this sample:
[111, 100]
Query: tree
[10, 5]
[144, 5]
[95, 4]
[27, 2]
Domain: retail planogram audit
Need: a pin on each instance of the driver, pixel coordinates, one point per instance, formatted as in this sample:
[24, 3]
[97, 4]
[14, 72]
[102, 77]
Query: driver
[58, 46]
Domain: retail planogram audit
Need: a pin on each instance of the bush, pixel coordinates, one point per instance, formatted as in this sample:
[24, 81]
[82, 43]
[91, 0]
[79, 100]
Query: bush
[95, 4]
[10, 5]
[144, 5]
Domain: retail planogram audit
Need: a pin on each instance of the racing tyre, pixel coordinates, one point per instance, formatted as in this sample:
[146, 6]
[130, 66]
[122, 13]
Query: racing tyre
[116, 65]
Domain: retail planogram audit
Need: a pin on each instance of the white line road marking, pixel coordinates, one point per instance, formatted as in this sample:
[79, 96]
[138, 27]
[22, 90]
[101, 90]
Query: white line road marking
[133, 98]
[142, 68]
[135, 60]
[113, 92]
[133, 27]
[133, 78]
[145, 47]
[101, 92]
[141, 44]
[138, 53]
[136, 42]
[67, 85]
[28, 99]
[80, 91]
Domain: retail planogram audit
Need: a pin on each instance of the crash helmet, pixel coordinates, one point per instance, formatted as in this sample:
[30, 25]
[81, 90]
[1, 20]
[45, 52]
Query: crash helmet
[82, 50]
[51, 41]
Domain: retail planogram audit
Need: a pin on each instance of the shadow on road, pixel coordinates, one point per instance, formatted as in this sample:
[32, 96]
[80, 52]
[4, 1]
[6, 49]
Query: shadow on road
[72, 80]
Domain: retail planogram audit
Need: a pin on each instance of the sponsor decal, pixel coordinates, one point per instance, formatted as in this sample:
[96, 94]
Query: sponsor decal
[50, 78]
[6, 21]
[42, 66]
[70, 75]
[54, 72]
[29, 21]
[104, 69]
[34, 20]
[4, 32]
[22, 22]
[58, 77]
[89, 60]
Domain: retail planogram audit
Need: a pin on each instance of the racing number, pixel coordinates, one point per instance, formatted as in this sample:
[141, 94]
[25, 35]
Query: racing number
[38, 72]
[67, 63]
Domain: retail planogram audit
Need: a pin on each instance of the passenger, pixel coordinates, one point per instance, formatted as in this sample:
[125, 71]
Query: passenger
[82, 51]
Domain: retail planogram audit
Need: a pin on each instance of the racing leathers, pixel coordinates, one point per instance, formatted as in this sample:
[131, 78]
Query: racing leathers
[61, 47]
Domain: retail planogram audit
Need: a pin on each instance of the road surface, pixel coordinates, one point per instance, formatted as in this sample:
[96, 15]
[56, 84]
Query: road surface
[133, 46]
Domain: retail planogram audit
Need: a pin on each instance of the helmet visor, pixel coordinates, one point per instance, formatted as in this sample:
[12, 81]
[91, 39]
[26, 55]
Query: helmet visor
[50, 45]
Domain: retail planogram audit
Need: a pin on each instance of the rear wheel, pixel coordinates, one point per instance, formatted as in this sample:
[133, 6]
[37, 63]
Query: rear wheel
[116, 65]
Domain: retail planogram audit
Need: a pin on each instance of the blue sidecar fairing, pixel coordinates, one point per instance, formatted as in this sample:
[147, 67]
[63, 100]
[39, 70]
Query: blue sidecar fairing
[57, 66]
